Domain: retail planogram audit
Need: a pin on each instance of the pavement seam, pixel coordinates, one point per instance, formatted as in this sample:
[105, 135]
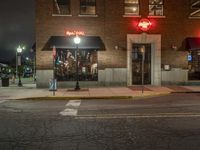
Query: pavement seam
[119, 116]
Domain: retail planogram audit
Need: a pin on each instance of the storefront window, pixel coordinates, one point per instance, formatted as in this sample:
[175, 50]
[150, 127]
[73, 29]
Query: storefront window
[61, 7]
[66, 65]
[131, 7]
[156, 7]
[88, 7]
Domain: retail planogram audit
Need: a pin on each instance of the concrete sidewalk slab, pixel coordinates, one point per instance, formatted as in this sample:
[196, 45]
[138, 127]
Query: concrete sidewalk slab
[161, 89]
[30, 91]
[92, 93]
[193, 88]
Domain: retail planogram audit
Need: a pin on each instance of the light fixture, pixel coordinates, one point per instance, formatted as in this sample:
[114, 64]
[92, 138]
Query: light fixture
[77, 40]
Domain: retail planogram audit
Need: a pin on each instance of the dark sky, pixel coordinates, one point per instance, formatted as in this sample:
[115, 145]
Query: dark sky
[17, 26]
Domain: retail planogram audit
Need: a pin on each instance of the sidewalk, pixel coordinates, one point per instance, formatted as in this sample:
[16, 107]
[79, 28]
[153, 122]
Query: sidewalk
[29, 91]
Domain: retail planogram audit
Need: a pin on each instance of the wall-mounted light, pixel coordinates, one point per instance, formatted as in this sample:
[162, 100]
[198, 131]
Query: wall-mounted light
[174, 47]
[117, 47]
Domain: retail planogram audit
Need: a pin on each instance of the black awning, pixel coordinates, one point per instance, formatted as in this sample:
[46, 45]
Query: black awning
[193, 43]
[65, 42]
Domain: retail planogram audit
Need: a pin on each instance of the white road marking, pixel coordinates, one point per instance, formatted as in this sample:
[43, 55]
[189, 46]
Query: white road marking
[73, 103]
[69, 112]
[71, 108]
[2, 101]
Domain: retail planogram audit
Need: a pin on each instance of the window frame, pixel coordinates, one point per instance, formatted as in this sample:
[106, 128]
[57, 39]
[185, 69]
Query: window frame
[87, 14]
[131, 14]
[62, 14]
[155, 14]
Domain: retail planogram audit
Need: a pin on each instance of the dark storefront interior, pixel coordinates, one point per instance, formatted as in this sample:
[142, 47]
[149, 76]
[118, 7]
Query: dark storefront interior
[65, 65]
[65, 61]
[193, 46]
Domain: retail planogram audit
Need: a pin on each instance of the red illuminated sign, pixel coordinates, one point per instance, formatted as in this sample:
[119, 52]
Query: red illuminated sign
[144, 24]
[73, 33]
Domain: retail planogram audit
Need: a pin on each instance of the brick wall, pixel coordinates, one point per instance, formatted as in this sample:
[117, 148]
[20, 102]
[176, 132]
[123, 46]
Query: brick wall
[112, 27]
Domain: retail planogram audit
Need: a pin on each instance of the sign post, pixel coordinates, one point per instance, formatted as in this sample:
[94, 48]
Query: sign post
[54, 81]
[143, 58]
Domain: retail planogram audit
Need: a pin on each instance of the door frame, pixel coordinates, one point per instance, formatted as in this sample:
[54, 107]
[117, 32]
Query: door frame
[155, 41]
[150, 70]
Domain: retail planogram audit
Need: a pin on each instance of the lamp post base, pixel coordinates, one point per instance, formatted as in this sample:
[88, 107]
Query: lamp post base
[20, 83]
[77, 86]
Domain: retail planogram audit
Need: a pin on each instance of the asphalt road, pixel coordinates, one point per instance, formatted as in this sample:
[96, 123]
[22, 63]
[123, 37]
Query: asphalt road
[163, 123]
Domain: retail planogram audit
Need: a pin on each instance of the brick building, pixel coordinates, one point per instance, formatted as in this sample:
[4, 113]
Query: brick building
[115, 43]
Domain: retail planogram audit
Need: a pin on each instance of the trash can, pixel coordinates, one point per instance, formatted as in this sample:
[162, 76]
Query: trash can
[52, 85]
[5, 82]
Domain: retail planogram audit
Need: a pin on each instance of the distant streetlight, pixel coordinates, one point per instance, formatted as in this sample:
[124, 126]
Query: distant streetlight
[18, 62]
[77, 41]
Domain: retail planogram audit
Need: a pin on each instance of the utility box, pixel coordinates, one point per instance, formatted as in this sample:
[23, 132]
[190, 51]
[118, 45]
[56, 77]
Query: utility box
[5, 82]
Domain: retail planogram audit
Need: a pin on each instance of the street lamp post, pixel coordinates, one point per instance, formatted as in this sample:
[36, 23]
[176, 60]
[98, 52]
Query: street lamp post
[34, 65]
[34, 68]
[18, 63]
[77, 41]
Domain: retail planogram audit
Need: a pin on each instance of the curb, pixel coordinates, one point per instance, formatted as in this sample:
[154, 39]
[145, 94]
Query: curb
[75, 98]
[94, 97]
[185, 92]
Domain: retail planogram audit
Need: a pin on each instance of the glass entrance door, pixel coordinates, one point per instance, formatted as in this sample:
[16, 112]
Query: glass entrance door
[194, 65]
[137, 57]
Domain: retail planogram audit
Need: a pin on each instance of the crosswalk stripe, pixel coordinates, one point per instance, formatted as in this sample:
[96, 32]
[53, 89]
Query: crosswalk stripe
[73, 103]
[69, 112]
[2, 101]
[71, 108]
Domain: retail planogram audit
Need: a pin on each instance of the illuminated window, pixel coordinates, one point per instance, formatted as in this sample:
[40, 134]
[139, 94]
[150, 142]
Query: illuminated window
[131, 7]
[195, 9]
[66, 65]
[61, 7]
[88, 7]
[155, 7]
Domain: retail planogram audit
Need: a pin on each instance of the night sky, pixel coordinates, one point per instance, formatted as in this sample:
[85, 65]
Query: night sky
[17, 26]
